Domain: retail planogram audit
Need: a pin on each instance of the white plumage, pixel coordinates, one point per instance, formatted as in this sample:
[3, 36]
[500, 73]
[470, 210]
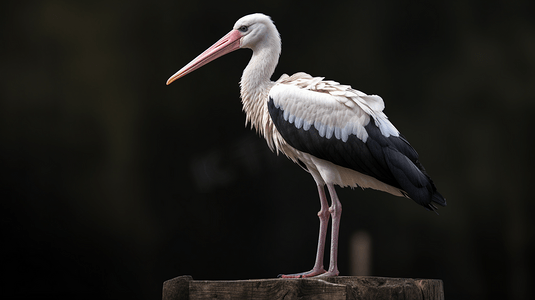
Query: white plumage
[340, 135]
[334, 109]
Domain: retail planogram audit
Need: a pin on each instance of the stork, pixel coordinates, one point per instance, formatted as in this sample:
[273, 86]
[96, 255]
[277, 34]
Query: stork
[336, 133]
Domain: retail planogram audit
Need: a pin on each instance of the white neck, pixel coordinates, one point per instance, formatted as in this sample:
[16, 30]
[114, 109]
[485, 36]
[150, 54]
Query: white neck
[257, 75]
[256, 81]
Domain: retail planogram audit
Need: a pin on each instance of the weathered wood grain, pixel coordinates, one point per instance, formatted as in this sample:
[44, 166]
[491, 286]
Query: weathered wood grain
[369, 287]
[342, 287]
[176, 288]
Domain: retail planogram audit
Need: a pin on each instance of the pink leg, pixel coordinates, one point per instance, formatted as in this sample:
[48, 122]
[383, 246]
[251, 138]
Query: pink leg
[336, 213]
[323, 215]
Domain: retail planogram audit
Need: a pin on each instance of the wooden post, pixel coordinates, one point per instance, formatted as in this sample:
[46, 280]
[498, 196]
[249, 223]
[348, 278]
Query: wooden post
[341, 287]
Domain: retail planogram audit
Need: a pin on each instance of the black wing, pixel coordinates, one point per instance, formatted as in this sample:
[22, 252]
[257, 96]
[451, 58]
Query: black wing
[391, 160]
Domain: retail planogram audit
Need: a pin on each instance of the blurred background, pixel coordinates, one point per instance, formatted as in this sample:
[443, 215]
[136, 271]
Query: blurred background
[112, 182]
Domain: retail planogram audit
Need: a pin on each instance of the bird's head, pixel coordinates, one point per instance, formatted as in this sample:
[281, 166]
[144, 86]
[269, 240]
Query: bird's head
[255, 31]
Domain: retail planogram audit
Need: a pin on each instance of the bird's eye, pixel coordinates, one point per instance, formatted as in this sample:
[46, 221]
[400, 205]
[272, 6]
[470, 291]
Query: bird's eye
[243, 28]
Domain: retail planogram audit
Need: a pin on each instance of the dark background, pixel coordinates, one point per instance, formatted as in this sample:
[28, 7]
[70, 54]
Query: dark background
[112, 182]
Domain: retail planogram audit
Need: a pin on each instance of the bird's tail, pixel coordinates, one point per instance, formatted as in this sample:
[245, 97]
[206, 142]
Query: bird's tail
[438, 199]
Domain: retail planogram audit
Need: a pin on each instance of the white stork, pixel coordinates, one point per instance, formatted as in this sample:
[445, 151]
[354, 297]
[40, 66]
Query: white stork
[339, 135]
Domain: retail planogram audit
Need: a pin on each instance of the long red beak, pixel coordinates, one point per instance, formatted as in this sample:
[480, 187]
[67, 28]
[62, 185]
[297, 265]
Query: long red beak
[225, 45]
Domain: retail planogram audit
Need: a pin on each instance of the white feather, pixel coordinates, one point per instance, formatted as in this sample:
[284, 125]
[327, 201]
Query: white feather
[306, 125]
[286, 115]
[298, 123]
[291, 118]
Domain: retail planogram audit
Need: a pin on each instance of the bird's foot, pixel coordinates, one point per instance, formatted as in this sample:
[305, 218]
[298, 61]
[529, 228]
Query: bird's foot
[311, 273]
[329, 274]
